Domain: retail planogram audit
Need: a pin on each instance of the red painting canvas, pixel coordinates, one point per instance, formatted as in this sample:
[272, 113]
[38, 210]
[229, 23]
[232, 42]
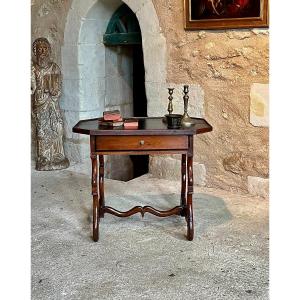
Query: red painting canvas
[210, 14]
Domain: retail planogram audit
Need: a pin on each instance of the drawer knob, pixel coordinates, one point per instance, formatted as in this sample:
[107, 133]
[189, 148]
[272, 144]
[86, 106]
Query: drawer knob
[142, 142]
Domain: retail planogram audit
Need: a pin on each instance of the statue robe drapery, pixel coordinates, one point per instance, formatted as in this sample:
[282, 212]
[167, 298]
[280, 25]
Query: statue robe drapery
[46, 90]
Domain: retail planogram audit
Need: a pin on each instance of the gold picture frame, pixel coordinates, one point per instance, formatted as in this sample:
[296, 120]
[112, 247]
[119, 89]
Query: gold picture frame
[223, 14]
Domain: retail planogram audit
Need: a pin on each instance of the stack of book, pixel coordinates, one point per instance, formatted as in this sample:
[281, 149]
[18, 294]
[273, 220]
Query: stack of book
[113, 118]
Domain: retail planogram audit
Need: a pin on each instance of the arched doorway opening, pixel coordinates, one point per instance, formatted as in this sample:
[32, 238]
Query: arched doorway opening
[90, 71]
[123, 36]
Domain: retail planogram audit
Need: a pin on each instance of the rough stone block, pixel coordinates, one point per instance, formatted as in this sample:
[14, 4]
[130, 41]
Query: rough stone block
[70, 118]
[118, 61]
[91, 31]
[70, 62]
[155, 101]
[77, 152]
[118, 90]
[136, 5]
[126, 63]
[102, 10]
[91, 60]
[73, 25]
[259, 31]
[239, 35]
[154, 50]
[127, 110]
[91, 114]
[87, 10]
[92, 94]
[113, 94]
[258, 186]
[243, 163]
[148, 20]
[70, 95]
[170, 168]
[83, 95]
[81, 8]
[112, 61]
[259, 106]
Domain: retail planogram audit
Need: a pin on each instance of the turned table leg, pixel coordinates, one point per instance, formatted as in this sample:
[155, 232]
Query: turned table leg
[95, 190]
[101, 186]
[95, 198]
[183, 184]
[189, 210]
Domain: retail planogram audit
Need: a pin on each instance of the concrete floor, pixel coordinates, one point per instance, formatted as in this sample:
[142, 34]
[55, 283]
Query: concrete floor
[146, 258]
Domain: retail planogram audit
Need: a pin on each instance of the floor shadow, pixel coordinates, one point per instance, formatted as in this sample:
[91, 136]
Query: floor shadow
[209, 211]
[72, 205]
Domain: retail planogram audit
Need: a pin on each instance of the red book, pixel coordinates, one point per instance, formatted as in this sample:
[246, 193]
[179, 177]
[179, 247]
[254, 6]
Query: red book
[131, 124]
[113, 115]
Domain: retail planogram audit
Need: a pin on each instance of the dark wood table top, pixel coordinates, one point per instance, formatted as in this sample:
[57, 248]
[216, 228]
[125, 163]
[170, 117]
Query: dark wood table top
[147, 126]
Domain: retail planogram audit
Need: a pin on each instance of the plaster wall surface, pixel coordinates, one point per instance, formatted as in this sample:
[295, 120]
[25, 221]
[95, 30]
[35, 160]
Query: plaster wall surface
[222, 64]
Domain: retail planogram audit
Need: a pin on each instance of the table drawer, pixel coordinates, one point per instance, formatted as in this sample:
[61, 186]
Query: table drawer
[140, 142]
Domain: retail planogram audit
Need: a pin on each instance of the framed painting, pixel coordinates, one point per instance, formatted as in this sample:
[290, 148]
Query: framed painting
[223, 14]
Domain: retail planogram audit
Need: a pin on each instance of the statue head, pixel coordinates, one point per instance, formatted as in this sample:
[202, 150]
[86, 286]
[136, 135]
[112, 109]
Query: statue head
[42, 50]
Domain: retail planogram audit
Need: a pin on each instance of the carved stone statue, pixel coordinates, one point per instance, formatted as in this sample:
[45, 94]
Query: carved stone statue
[45, 90]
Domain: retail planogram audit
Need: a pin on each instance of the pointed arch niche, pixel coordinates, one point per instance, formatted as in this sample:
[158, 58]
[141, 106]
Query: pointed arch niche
[86, 69]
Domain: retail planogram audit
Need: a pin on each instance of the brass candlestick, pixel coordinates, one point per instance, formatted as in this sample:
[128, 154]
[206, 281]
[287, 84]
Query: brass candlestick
[186, 120]
[170, 106]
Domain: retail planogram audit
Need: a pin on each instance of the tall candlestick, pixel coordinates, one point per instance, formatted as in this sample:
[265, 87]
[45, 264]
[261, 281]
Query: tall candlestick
[186, 120]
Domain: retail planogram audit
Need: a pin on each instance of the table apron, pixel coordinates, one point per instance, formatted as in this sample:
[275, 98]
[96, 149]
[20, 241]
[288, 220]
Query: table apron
[144, 152]
[140, 143]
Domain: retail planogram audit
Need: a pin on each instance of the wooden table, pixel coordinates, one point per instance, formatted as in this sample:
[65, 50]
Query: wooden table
[151, 137]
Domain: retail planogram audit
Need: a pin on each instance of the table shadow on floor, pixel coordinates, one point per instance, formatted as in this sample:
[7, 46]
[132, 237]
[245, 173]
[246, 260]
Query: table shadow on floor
[209, 211]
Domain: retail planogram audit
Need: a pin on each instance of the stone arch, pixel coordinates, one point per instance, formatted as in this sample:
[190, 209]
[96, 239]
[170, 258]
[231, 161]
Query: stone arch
[76, 101]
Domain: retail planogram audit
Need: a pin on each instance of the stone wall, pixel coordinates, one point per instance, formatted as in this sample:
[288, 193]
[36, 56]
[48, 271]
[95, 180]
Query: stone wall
[230, 71]
[226, 64]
